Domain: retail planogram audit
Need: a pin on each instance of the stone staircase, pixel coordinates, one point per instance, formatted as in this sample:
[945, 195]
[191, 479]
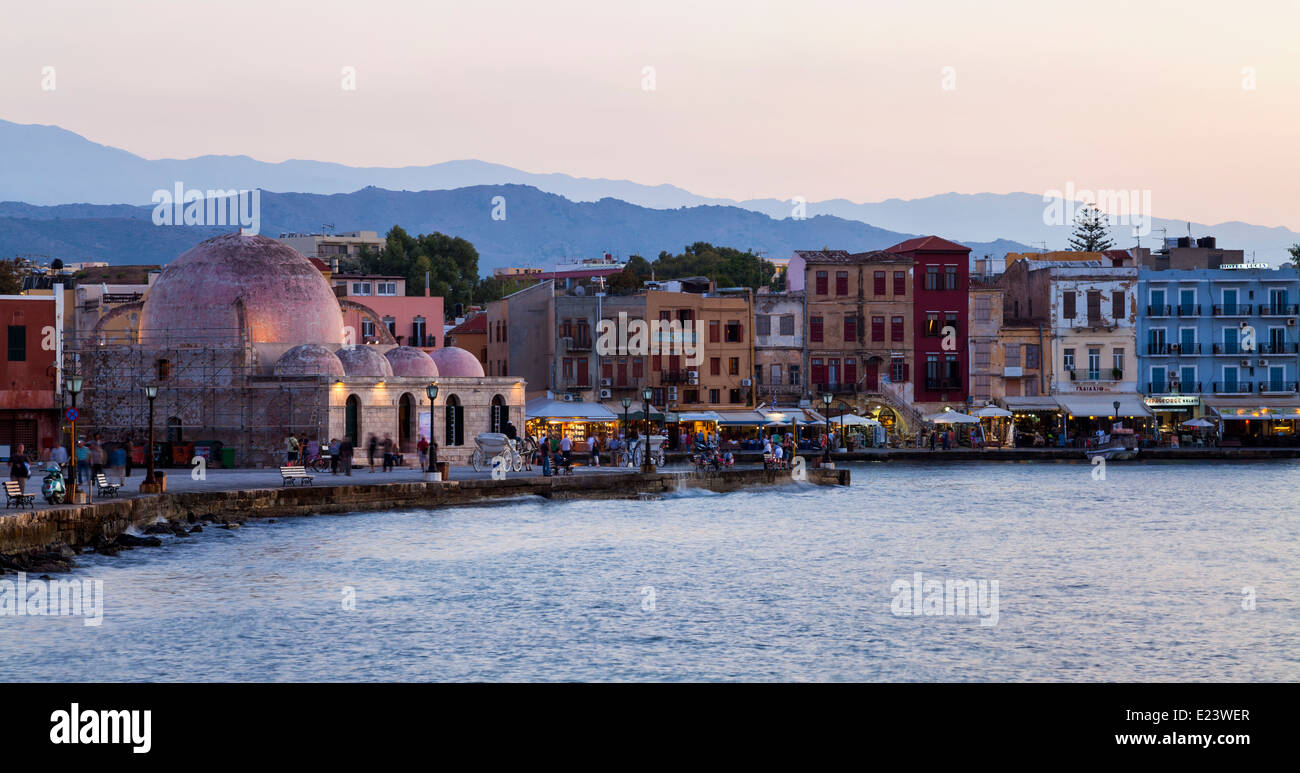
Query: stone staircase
[892, 395]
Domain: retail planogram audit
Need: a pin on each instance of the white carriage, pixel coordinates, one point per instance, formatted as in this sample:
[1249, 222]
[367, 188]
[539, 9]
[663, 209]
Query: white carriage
[490, 445]
[656, 451]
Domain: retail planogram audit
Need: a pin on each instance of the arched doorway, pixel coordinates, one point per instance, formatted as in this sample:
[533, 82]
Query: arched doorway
[174, 430]
[455, 420]
[499, 415]
[352, 419]
[405, 420]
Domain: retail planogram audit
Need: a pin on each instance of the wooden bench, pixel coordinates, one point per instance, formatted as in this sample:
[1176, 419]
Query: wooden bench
[16, 496]
[292, 474]
[106, 489]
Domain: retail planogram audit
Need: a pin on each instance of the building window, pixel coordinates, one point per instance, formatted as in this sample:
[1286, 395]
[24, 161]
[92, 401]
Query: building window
[950, 278]
[794, 375]
[1094, 364]
[758, 375]
[1011, 356]
[714, 328]
[878, 283]
[983, 308]
[638, 367]
[897, 370]
[850, 372]
[386, 288]
[815, 329]
[715, 396]
[877, 328]
[776, 375]
[17, 343]
[787, 324]
[932, 324]
[361, 288]
[821, 282]
[691, 396]
[932, 277]
[900, 283]
[1117, 305]
[417, 332]
[715, 366]
[566, 370]
[391, 324]
[818, 371]
[1068, 360]
[1117, 357]
[164, 369]
[762, 325]
[1067, 305]
[735, 332]
[896, 329]
[1032, 354]
[982, 351]
[367, 329]
[850, 328]
[735, 397]
[841, 283]
[733, 366]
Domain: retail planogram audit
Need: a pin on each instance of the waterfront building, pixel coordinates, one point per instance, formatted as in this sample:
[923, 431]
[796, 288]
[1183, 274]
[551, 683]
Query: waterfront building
[940, 321]
[32, 388]
[246, 340]
[988, 361]
[1088, 311]
[332, 247]
[779, 347]
[1221, 343]
[376, 309]
[472, 336]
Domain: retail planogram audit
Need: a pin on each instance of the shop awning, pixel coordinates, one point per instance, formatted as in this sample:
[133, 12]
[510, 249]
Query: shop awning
[741, 418]
[544, 408]
[1256, 408]
[699, 416]
[1040, 404]
[634, 414]
[1130, 405]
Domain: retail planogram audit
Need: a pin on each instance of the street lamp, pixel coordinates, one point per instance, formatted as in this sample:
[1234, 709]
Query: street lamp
[646, 393]
[73, 385]
[627, 403]
[432, 391]
[1116, 404]
[827, 398]
[151, 392]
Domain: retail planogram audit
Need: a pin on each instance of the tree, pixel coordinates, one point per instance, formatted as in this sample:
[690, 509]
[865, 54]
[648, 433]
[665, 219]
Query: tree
[450, 261]
[1090, 231]
[12, 272]
[1295, 254]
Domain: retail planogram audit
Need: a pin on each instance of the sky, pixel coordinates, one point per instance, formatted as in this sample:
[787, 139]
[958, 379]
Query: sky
[1196, 102]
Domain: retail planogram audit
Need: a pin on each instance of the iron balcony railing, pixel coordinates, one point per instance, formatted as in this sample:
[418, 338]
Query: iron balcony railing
[1173, 388]
[1278, 310]
[1277, 387]
[1174, 348]
[1232, 310]
[942, 384]
[1279, 347]
[1232, 387]
[1158, 311]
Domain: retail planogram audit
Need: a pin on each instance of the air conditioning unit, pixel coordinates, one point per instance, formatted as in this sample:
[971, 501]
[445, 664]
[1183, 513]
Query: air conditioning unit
[568, 397]
[605, 393]
[692, 374]
[672, 393]
[605, 382]
[1175, 348]
[1263, 363]
[1245, 363]
[693, 381]
[746, 382]
[1290, 322]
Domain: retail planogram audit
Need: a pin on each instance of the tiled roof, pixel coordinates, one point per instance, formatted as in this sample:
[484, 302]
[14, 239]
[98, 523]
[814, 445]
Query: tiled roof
[928, 244]
[822, 257]
[475, 324]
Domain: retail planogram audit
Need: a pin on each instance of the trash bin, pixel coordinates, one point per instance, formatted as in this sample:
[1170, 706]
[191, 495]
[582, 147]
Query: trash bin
[444, 470]
[228, 458]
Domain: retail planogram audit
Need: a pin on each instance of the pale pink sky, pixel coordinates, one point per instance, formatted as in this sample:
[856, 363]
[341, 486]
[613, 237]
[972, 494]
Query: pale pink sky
[752, 99]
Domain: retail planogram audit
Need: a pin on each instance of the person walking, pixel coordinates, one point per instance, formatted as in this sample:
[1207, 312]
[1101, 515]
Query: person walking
[566, 451]
[372, 448]
[389, 456]
[345, 455]
[290, 450]
[59, 455]
[595, 451]
[422, 448]
[18, 468]
[130, 448]
[83, 461]
[331, 450]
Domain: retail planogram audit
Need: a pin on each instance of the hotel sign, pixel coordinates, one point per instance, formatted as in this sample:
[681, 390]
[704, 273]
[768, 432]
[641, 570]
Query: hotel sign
[1243, 265]
[1172, 400]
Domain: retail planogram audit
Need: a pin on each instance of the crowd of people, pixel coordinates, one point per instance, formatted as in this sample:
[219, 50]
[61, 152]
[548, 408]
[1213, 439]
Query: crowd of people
[89, 458]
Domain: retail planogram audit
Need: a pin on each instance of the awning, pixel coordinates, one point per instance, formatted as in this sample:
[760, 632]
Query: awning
[1040, 404]
[741, 418]
[699, 416]
[1130, 405]
[543, 408]
[634, 414]
[1256, 408]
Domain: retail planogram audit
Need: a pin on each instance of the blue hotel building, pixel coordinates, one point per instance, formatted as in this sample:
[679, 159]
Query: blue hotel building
[1223, 343]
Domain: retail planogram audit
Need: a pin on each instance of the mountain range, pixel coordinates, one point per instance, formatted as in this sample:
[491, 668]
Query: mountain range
[47, 167]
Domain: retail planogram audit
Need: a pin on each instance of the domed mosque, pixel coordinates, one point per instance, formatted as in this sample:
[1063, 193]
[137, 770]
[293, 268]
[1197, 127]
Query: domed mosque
[246, 341]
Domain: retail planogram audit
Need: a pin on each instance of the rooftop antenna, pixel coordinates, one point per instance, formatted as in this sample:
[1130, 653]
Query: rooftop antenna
[326, 228]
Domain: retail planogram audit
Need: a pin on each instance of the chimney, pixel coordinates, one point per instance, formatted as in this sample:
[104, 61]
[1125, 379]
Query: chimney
[426, 284]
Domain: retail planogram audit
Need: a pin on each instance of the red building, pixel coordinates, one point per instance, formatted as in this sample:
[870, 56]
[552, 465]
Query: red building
[29, 386]
[941, 284]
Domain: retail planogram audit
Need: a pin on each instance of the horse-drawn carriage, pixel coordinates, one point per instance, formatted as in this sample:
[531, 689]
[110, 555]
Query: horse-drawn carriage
[656, 451]
[490, 445]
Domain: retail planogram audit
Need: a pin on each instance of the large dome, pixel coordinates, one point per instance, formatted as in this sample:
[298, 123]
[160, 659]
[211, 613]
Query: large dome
[364, 362]
[454, 362]
[409, 362]
[309, 360]
[236, 283]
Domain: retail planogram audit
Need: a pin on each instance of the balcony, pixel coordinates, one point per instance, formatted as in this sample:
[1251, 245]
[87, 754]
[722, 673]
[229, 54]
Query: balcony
[1278, 387]
[1228, 348]
[678, 376]
[1188, 309]
[1231, 387]
[1280, 347]
[942, 384]
[1185, 347]
[1278, 310]
[1232, 310]
[578, 344]
[1172, 388]
[1159, 311]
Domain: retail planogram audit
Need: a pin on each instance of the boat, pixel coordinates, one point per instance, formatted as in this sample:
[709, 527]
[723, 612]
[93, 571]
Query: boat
[1119, 446]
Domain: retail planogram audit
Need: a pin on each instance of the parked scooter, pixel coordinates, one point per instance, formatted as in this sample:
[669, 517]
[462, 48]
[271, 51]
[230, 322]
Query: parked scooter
[52, 487]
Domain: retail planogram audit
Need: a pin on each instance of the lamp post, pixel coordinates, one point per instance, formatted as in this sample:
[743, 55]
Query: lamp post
[151, 392]
[827, 398]
[1116, 404]
[432, 391]
[646, 393]
[73, 385]
[627, 403]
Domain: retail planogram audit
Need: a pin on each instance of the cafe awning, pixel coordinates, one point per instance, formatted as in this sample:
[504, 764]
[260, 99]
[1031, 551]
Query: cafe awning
[741, 418]
[1256, 408]
[699, 416]
[1039, 404]
[1130, 405]
[635, 413]
[560, 410]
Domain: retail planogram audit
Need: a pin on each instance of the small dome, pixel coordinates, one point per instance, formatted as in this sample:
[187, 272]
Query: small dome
[364, 362]
[409, 362]
[454, 362]
[309, 360]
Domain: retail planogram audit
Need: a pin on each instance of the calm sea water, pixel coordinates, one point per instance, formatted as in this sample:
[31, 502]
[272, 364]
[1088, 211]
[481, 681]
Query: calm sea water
[1138, 577]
